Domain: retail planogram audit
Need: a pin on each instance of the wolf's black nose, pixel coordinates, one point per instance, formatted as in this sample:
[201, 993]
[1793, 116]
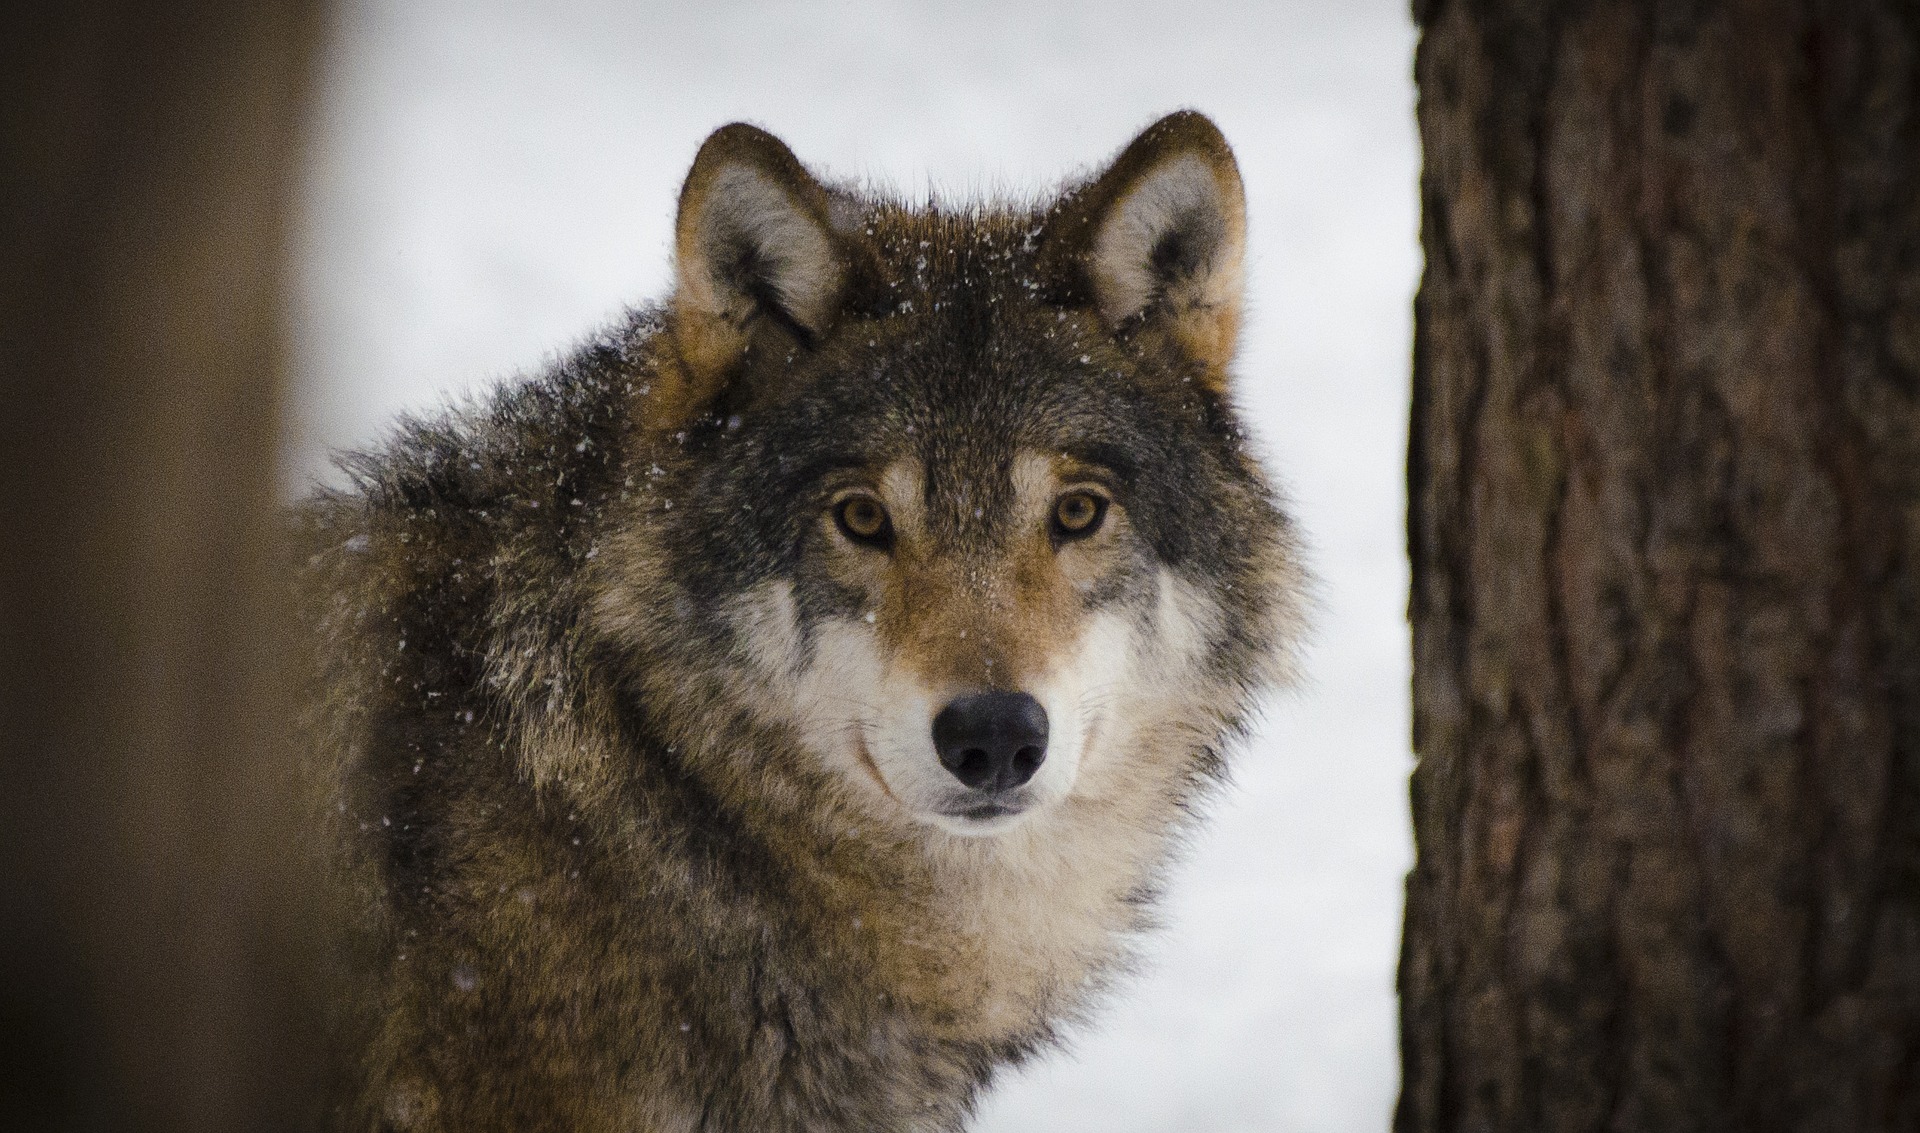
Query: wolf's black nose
[992, 741]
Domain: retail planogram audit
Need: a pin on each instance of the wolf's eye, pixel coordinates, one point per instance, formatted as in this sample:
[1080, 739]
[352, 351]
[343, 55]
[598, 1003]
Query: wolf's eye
[1077, 515]
[864, 520]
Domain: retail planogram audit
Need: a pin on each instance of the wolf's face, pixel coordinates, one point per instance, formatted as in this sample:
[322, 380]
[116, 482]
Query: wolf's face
[973, 603]
[956, 498]
[987, 651]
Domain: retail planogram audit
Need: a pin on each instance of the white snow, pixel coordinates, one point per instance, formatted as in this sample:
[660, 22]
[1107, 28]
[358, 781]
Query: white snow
[493, 181]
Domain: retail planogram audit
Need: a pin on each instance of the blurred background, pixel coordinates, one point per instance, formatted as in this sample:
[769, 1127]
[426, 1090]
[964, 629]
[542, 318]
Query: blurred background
[488, 182]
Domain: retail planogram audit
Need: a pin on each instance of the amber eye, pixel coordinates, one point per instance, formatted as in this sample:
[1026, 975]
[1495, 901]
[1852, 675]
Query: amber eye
[863, 519]
[1078, 514]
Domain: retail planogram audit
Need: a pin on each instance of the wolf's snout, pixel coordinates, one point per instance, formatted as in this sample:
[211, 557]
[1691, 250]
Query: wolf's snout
[992, 741]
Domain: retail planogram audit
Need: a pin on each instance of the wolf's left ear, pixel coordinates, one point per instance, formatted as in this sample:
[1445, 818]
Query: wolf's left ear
[1157, 241]
[753, 245]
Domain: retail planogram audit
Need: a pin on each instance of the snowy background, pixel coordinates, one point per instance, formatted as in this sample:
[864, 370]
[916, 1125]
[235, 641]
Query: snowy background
[491, 181]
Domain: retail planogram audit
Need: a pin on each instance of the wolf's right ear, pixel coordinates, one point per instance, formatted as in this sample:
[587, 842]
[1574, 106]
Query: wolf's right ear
[752, 242]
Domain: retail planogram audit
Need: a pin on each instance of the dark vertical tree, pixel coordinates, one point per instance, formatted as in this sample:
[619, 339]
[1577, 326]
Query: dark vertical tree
[1664, 517]
[155, 969]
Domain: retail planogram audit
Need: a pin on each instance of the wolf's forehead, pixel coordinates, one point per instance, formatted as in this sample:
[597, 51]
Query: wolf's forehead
[929, 259]
[930, 241]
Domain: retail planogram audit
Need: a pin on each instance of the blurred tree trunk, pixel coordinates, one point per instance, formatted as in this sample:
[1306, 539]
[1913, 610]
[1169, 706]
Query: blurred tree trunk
[154, 937]
[1664, 517]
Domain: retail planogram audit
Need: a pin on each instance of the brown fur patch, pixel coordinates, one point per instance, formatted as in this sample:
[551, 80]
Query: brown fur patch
[995, 621]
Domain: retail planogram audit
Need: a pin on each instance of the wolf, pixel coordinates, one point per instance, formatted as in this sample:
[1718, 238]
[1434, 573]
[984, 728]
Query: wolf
[778, 714]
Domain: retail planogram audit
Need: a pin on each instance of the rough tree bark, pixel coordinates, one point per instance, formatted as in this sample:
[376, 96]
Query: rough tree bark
[155, 969]
[1664, 517]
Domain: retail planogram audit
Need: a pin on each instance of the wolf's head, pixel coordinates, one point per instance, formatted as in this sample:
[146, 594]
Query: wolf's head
[956, 497]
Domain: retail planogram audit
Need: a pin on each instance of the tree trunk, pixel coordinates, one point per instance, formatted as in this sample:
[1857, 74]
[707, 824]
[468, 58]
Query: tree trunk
[156, 961]
[1664, 518]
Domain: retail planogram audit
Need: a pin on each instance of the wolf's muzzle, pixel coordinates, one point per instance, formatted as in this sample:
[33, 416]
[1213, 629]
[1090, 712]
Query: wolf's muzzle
[992, 741]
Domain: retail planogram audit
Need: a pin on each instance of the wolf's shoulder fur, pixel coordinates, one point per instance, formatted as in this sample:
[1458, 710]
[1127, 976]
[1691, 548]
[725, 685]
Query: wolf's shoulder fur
[775, 715]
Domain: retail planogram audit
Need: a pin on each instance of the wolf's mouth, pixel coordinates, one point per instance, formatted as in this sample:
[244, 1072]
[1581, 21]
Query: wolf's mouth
[873, 769]
[986, 812]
